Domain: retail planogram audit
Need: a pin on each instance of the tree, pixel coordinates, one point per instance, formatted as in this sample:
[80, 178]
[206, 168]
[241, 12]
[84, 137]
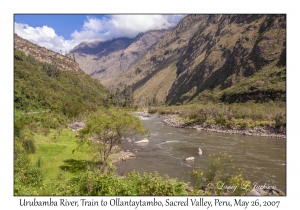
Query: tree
[154, 100]
[51, 69]
[118, 96]
[128, 96]
[105, 129]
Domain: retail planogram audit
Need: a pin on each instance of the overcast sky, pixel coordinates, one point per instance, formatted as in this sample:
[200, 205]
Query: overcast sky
[64, 32]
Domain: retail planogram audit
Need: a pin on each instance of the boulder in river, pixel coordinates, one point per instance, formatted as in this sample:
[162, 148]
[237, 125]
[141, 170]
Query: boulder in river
[190, 159]
[124, 156]
[146, 114]
[199, 151]
[145, 140]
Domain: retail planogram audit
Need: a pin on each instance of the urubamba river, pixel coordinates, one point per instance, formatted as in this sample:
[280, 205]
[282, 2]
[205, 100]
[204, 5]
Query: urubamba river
[262, 159]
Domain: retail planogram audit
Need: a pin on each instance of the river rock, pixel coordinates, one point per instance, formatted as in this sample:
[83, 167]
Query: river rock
[146, 114]
[190, 159]
[145, 140]
[199, 151]
[128, 139]
[265, 192]
[253, 193]
[127, 156]
[274, 193]
[262, 192]
[278, 192]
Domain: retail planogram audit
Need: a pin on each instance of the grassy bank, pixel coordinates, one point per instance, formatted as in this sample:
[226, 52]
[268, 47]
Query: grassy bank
[58, 170]
[56, 158]
[64, 172]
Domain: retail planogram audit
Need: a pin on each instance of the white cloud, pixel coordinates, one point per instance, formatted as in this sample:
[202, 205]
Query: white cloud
[92, 24]
[123, 26]
[44, 36]
[108, 28]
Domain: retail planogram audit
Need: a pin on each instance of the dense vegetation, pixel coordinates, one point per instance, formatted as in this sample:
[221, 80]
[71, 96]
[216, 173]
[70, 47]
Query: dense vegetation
[41, 86]
[46, 100]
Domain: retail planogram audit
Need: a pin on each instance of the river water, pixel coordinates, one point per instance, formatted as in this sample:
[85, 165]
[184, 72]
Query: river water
[262, 159]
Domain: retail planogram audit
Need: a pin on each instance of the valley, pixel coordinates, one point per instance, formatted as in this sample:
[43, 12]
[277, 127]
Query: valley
[211, 72]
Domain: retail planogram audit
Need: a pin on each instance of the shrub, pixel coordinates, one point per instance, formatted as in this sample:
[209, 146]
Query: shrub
[132, 184]
[216, 169]
[220, 119]
[216, 176]
[280, 120]
[32, 176]
[29, 146]
[152, 110]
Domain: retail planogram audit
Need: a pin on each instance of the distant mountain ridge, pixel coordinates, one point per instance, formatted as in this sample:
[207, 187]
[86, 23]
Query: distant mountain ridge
[104, 60]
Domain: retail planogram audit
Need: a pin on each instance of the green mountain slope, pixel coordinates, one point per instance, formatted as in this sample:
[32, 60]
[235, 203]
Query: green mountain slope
[41, 86]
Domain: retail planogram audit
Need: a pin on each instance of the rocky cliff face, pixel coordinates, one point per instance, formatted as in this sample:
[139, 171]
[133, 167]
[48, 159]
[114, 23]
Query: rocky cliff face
[227, 49]
[104, 60]
[42, 54]
[212, 52]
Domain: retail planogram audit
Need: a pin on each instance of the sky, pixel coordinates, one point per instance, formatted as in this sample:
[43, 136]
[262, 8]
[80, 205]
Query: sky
[62, 32]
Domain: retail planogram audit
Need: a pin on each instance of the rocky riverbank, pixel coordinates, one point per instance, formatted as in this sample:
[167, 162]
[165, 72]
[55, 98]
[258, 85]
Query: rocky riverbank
[172, 120]
[128, 155]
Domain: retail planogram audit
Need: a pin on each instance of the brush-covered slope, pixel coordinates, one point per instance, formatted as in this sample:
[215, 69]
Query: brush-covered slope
[103, 60]
[41, 86]
[223, 57]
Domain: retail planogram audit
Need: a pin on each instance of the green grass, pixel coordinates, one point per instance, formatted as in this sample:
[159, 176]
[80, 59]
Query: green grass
[68, 173]
[56, 157]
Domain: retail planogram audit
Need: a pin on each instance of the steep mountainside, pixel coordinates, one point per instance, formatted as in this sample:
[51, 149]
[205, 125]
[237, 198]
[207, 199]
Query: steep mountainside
[224, 57]
[44, 79]
[41, 86]
[103, 60]
[44, 55]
